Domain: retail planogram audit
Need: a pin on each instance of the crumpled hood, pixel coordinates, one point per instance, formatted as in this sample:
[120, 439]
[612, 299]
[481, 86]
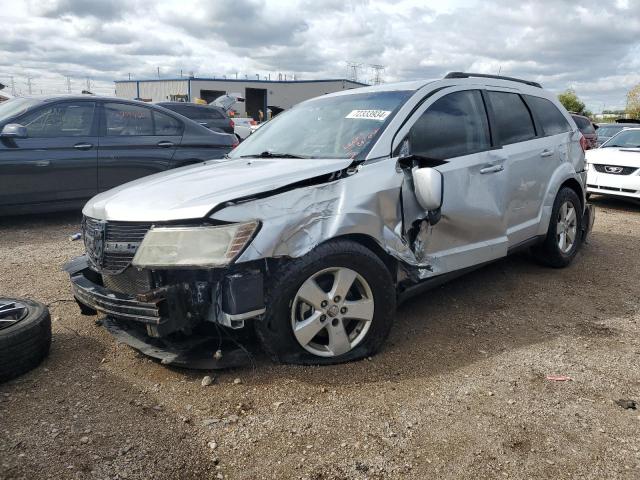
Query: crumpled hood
[623, 157]
[192, 191]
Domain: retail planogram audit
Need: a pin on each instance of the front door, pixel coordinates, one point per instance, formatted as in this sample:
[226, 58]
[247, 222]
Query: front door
[135, 141]
[57, 162]
[451, 134]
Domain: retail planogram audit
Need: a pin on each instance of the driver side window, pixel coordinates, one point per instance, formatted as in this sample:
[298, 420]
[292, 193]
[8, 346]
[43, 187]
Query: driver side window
[455, 125]
[60, 120]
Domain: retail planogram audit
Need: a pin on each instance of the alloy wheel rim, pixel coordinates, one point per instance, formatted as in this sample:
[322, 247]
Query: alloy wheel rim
[567, 227]
[11, 312]
[332, 312]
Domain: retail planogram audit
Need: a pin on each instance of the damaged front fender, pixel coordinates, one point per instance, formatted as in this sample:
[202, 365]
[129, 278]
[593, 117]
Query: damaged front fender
[296, 221]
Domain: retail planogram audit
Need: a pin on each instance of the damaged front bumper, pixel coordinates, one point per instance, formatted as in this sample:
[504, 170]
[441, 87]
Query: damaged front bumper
[176, 301]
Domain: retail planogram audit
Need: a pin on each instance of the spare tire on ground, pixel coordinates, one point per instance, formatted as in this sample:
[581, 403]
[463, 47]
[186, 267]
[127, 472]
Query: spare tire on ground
[25, 336]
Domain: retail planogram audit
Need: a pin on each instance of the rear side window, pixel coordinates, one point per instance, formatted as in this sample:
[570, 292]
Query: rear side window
[166, 125]
[512, 118]
[453, 126]
[127, 120]
[584, 124]
[60, 120]
[552, 120]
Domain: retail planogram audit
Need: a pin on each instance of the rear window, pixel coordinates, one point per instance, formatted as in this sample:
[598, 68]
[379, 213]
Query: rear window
[609, 130]
[584, 124]
[552, 120]
[512, 117]
[193, 112]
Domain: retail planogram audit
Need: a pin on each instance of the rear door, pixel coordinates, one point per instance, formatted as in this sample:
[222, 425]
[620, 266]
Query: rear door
[135, 141]
[531, 157]
[57, 162]
[451, 134]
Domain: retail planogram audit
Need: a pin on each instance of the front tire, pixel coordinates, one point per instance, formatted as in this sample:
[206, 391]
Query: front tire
[334, 305]
[564, 236]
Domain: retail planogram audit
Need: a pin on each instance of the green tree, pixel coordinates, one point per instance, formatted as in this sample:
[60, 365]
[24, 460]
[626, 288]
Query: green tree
[572, 102]
[633, 102]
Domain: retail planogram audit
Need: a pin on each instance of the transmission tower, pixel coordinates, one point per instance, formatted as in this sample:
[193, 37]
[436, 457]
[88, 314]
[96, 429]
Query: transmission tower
[68, 84]
[378, 72]
[13, 86]
[353, 68]
[29, 85]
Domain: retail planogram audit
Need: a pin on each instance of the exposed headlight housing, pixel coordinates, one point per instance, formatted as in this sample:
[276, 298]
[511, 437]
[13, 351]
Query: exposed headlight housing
[200, 247]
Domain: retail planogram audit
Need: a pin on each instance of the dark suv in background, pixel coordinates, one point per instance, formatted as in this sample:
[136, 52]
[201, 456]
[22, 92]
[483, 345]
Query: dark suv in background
[608, 130]
[214, 118]
[587, 128]
[56, 152]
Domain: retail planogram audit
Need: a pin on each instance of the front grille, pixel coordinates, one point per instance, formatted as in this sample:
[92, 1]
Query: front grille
[623, 171]
[131, 281]
[111, 246]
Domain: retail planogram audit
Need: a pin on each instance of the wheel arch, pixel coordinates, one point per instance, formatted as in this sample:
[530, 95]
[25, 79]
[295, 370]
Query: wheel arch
[574, 185]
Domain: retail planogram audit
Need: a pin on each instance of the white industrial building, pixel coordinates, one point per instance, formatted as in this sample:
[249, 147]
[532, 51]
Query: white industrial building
[258, 94]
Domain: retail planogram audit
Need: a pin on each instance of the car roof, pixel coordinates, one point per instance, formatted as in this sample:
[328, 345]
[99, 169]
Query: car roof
[86, 96]
[472, 81]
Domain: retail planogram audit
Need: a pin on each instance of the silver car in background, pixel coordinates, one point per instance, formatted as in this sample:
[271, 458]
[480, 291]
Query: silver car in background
[333, 212]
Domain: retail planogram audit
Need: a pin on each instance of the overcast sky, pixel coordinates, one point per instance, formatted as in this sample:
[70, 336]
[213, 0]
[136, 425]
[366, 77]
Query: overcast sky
[591, 46]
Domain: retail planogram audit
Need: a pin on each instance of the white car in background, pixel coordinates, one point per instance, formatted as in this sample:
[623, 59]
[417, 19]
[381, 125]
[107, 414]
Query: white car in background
[614, 168]
[244, 127]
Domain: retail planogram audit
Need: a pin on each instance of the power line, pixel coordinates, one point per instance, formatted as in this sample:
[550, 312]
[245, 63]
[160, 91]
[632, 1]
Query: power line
[353, 68]
[378, 71]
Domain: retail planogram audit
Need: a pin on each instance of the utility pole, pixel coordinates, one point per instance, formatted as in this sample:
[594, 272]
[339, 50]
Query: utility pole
[158, 72]
[353, 68]
[68, 84]
[13, 86]
[378, 71]
[29, 85]
[88, 84]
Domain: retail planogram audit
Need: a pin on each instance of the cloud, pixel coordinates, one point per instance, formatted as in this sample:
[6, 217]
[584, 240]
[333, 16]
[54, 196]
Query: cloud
[591, 46]
[103, 9]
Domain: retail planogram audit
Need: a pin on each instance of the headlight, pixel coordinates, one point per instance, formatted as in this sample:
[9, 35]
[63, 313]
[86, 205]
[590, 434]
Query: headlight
[193, 246]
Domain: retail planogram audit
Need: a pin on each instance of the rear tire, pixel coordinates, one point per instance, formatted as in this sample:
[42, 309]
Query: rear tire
[25, 343]
[564, 236]
[370, 293]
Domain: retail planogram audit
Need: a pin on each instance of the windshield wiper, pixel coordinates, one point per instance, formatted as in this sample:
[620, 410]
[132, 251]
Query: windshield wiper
[273, 155]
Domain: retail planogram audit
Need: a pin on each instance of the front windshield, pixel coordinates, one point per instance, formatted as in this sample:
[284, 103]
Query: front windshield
[327, 127]
[15, 106]
[625, 139]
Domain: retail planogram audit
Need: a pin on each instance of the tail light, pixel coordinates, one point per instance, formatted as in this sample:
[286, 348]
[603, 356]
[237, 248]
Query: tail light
[235, 143]
[584, 144]
[232, 124]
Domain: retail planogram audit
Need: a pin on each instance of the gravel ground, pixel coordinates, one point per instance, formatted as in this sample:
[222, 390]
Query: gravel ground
[460, 391]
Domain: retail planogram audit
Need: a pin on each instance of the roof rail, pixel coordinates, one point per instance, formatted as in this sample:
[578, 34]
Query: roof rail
[484, 75]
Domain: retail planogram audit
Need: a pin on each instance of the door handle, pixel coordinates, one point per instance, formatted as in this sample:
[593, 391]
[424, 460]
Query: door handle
[83, 146]
[546, 153]
[165, 144]
[41, 163]
[493, 169]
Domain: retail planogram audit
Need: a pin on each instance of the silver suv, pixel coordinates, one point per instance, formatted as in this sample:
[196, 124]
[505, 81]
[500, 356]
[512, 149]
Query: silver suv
[324, 219]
